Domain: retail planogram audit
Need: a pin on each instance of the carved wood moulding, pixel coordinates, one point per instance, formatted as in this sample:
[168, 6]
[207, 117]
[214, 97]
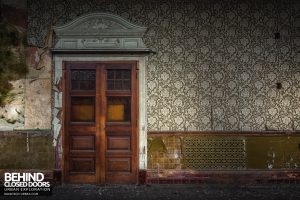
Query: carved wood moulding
[99, 32]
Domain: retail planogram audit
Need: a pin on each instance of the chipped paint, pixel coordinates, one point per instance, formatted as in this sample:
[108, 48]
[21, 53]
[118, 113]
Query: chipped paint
[58, 99]
[56, 120]
[57, 75]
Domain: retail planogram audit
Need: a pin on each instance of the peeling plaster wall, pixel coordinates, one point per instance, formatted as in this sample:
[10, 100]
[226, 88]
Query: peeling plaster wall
[38, 90]
[217, 62]
[57, 116]
[29, 102]
[12, 114]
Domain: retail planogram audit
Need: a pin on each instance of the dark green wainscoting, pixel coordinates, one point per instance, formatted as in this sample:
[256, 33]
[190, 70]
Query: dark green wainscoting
[26, 150]
[223, 152]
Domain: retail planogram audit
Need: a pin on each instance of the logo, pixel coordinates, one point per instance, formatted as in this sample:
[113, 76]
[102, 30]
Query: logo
[25, 184]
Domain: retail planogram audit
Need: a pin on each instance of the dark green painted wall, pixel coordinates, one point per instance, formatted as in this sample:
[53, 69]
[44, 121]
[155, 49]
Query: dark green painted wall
[21, 152]
[221, 152]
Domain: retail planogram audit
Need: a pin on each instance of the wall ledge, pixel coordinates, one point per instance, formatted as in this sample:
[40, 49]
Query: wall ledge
[222, 176]
[224, 133]
[22, 133]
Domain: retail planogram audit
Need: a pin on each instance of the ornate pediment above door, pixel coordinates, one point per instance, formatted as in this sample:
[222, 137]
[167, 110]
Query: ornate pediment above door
[99, 32]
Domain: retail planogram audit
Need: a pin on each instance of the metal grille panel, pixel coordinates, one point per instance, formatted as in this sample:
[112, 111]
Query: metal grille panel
[214, 152]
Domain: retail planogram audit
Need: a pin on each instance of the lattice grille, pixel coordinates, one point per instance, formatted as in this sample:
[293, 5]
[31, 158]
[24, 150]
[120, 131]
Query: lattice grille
[118, 79]
[83, 79]
[214, 153]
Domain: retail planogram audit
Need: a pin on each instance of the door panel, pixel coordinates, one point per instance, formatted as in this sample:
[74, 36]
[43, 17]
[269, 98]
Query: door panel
[82, 165]
[120, 131]
[115, 143]
[118, 165]
[82, 142]
[100, 122]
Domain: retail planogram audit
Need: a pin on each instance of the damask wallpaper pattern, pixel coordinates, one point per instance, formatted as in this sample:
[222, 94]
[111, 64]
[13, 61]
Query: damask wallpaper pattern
[217, 62]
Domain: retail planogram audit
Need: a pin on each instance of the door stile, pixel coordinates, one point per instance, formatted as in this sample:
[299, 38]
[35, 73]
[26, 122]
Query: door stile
[102, 100]
[65, 135]
[98, 125]
[134, 118]
[80, 152]
[136, 128]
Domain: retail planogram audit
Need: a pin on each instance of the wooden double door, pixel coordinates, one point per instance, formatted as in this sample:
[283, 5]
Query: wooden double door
[100, 129]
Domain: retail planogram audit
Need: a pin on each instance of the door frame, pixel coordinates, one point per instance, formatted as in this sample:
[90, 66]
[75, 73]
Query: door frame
[101, 139]
[59, 102]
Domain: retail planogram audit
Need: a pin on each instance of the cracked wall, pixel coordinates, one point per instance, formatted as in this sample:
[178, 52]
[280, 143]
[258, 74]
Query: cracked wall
[38, 90]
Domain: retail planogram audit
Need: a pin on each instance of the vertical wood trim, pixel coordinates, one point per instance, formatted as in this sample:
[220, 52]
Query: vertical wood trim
[102, 122]
[98, 125]
[63, 121]
[66, 117]
[133, 119]
[137, 127]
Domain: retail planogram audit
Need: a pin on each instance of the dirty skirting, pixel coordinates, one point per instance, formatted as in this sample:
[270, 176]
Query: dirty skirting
[223, 157]
[223, 151]
[225, 176]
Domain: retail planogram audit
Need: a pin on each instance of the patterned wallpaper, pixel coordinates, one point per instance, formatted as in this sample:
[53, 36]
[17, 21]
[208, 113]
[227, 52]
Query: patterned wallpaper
[217, 62]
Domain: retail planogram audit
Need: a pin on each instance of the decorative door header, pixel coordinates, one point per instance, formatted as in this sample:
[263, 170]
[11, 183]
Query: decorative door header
[99, 32]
